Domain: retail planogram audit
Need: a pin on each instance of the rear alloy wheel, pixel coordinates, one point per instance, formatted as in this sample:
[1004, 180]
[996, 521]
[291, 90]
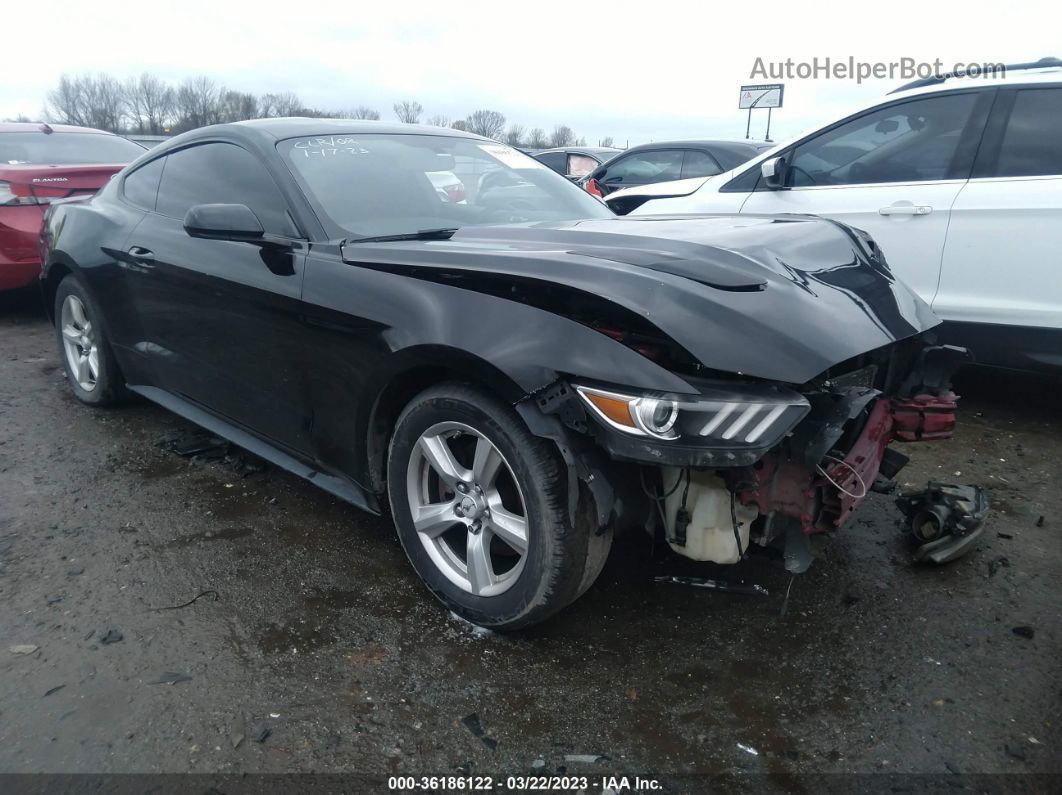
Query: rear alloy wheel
[79, 343]
[481, 509]
[86, 356]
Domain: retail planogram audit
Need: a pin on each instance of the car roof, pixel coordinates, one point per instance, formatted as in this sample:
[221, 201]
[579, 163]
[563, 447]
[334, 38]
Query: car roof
[36, 126]
[1030, 74]
[698, 143]
[594, 150]
[296, 127]
[263, 134]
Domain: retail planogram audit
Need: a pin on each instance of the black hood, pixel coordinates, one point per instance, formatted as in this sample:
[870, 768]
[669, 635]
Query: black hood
[782, 298]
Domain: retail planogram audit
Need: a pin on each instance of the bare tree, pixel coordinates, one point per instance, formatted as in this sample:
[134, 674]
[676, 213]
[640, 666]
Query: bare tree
[279, 105]
[561, 136]
[66, 102]
[606, 141]
[536, 139]
[488, 123]
[21, 118]
[141, 97]
[408, 111]
[439, 121]
[514, 136]
[88, 101]
[237, 106]
[362, 112]
[154, 101]
[460, 124]
[198, 103]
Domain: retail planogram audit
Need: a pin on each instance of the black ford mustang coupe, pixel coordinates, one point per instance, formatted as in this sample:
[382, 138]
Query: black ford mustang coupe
[515, 370]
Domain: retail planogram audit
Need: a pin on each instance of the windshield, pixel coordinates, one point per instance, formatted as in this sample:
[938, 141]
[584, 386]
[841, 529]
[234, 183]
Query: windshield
[66, 149]
[371, 185]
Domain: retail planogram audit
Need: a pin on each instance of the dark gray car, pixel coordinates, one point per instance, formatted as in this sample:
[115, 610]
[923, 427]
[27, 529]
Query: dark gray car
[575, 162]
[669, 160]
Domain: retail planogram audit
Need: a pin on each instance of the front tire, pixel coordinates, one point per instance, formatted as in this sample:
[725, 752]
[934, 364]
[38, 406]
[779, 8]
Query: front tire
[84, 350]
[480, 505]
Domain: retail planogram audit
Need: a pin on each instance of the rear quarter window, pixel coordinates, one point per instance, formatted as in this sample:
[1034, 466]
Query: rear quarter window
[1032, 144]
[141, 187]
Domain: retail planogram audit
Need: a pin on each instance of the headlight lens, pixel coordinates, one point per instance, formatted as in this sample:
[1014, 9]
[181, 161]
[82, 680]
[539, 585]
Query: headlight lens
[646, 416]
[723, 416]
[655, 416]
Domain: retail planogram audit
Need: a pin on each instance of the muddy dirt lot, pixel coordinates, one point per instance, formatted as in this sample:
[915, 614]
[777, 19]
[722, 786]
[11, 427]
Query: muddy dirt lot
[316, 648]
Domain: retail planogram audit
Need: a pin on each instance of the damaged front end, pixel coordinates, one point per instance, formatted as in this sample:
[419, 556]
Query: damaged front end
[749, 463]
[824, 469]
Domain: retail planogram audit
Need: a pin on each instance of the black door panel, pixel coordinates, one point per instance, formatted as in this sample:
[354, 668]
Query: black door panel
[220, 320]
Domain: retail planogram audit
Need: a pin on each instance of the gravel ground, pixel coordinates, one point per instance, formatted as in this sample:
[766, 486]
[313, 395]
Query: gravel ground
[313, 646]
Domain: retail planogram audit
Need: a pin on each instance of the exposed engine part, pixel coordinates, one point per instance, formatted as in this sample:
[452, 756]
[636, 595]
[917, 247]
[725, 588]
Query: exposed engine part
[820, 479]
[702, 520]
[924, 418]
[945, 520]
[715, 585]
[932, 370]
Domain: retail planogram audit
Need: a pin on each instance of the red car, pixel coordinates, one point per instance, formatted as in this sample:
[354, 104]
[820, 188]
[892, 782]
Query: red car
[40, 163]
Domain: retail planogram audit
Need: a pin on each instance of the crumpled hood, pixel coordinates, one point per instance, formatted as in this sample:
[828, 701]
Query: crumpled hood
[782, 298]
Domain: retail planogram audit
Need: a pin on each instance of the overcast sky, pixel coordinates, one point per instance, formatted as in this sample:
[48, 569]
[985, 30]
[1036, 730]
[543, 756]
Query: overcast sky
[642, 71]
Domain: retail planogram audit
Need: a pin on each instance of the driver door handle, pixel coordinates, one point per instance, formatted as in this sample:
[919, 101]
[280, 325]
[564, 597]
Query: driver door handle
[143, 257]
[906, 209]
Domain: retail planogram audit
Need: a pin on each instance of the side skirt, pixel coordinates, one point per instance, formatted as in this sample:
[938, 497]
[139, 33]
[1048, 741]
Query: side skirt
[340, 487]
[1025, 348]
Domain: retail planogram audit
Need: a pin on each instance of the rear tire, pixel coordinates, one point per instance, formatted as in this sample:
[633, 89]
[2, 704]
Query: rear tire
[492, 538]
[85, 352]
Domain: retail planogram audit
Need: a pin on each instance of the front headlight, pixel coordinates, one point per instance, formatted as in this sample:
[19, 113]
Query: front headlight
[722, 416]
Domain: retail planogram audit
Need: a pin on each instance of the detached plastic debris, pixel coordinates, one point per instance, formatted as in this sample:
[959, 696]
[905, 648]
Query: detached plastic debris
[197, 443]
[714, 585]
[474, 725]
[208, 447]
[945, 520]
[261, 732]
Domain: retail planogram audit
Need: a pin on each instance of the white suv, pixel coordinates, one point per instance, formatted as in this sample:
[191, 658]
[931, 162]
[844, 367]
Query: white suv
[959, 181]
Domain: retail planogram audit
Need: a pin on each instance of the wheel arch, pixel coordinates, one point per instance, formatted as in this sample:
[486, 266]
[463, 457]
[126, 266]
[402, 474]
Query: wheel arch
[53, 273]
[419, 369]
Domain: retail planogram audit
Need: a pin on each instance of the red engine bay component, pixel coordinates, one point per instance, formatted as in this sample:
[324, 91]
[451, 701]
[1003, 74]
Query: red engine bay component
[823, 498]
[924, 417]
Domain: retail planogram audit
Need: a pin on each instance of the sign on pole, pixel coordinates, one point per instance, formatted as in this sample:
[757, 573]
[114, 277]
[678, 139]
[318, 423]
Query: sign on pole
[764, 96]
[767, 96]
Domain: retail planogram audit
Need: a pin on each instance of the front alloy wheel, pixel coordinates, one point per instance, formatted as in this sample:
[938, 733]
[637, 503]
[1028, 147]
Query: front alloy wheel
[471, 520]
[481, 509]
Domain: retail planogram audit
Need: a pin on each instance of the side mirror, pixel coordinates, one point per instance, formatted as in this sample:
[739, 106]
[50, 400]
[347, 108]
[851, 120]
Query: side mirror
[773, 171]
[223, 222]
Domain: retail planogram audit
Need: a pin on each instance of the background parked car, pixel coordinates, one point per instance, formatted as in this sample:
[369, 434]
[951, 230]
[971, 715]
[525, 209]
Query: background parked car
[959, 180]
[39, 163]
[575, 162]
[448, 186]
[669, 160]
